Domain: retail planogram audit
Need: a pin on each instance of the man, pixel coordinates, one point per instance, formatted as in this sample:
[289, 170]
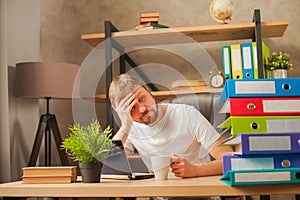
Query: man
[178, 130]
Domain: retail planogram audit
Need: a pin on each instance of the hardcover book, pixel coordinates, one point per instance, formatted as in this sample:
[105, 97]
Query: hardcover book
[149, 14]
[53, 174]
[49, 179]
[49, 171]
[150, 25]
[149, 19]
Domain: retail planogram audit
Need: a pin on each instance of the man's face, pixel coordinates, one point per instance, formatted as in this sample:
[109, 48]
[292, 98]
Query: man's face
[145, 110]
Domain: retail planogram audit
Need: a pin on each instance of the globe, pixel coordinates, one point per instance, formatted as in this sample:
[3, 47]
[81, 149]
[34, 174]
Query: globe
[221, 10]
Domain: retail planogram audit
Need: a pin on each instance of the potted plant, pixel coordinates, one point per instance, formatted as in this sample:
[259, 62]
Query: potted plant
[90, 147]
[278, 64]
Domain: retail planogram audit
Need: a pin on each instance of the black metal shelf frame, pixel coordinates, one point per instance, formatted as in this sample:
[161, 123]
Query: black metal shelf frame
[110, 43]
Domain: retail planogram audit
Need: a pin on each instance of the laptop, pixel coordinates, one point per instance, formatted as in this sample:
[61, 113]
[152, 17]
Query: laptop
[121, 167]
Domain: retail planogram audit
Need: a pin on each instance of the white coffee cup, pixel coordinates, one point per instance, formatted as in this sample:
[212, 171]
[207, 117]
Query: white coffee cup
[160, 166]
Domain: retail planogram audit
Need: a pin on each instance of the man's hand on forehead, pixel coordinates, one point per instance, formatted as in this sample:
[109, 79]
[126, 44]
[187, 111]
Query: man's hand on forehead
[123, 108]
[127, 93]
[127, 102]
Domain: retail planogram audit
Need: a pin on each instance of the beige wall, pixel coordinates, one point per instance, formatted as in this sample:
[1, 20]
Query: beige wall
[23, 44]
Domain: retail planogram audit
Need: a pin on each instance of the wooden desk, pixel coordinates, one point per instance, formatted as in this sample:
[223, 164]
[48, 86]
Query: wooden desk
[204, 186]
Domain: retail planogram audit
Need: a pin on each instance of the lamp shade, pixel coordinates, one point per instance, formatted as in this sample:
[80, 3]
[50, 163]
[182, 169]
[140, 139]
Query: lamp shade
[47, 79]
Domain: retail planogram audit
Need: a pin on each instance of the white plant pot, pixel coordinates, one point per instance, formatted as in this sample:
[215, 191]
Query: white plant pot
[279, 73]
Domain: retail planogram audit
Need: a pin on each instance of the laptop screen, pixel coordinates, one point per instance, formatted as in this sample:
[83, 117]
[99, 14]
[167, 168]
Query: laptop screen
[120, 165]
[117, 164]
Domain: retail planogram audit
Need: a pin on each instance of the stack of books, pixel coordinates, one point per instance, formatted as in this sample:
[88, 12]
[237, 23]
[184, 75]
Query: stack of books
[239, 61]
[146, 17]
[149, 20]
[47, 175]
[265, 127]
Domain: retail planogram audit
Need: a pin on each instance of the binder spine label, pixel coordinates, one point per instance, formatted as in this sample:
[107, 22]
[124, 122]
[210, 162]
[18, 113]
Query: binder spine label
[252, 163]
[257, 87]
[280, 143]
[263, 177]
[247, 58]
[281, 106]
[283, 125]
[226, 62]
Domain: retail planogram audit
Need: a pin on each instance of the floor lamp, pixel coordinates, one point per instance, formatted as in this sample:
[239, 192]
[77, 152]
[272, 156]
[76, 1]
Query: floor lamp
[47, 80]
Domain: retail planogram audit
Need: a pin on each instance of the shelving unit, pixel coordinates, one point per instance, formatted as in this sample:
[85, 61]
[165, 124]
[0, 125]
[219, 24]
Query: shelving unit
[255, 30]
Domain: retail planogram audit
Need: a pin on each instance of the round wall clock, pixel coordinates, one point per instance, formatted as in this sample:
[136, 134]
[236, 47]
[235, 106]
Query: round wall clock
[217, 80]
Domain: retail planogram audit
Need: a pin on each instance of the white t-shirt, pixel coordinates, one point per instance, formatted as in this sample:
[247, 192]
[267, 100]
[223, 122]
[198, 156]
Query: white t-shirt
[182, 131]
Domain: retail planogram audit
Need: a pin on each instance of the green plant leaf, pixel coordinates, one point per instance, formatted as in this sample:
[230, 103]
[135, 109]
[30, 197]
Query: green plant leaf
[87, 144]
[278, 61]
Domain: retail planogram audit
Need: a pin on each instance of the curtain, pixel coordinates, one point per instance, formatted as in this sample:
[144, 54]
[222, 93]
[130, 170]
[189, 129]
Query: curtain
[5, 167]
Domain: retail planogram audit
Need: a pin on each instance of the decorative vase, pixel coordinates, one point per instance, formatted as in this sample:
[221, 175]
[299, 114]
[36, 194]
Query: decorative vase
[279, 73]
[221, 10]
[91, 172]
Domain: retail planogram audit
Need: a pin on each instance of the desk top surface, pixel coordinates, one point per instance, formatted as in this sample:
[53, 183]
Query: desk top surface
[200, 186]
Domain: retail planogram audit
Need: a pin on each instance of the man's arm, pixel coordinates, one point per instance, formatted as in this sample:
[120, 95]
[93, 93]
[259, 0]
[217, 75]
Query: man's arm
[183, 168]
[121, 135]
[123, 109]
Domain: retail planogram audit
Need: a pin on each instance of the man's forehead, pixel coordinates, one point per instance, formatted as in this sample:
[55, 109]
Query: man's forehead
[138, 89]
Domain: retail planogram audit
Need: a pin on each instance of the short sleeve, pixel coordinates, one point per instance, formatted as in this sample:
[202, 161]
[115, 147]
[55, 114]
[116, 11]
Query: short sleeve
[205, 133]
[128, 144]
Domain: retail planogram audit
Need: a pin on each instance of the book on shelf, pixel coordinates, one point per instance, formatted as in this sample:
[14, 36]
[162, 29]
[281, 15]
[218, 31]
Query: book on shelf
[189, 85]
[49, 171]
[192, 88]
[149, 19]
[49, 179]
[149, 14]
[150, 25]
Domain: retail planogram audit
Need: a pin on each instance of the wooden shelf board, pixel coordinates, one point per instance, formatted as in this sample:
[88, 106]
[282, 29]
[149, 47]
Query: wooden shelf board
[208, 33]
[163, 95]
